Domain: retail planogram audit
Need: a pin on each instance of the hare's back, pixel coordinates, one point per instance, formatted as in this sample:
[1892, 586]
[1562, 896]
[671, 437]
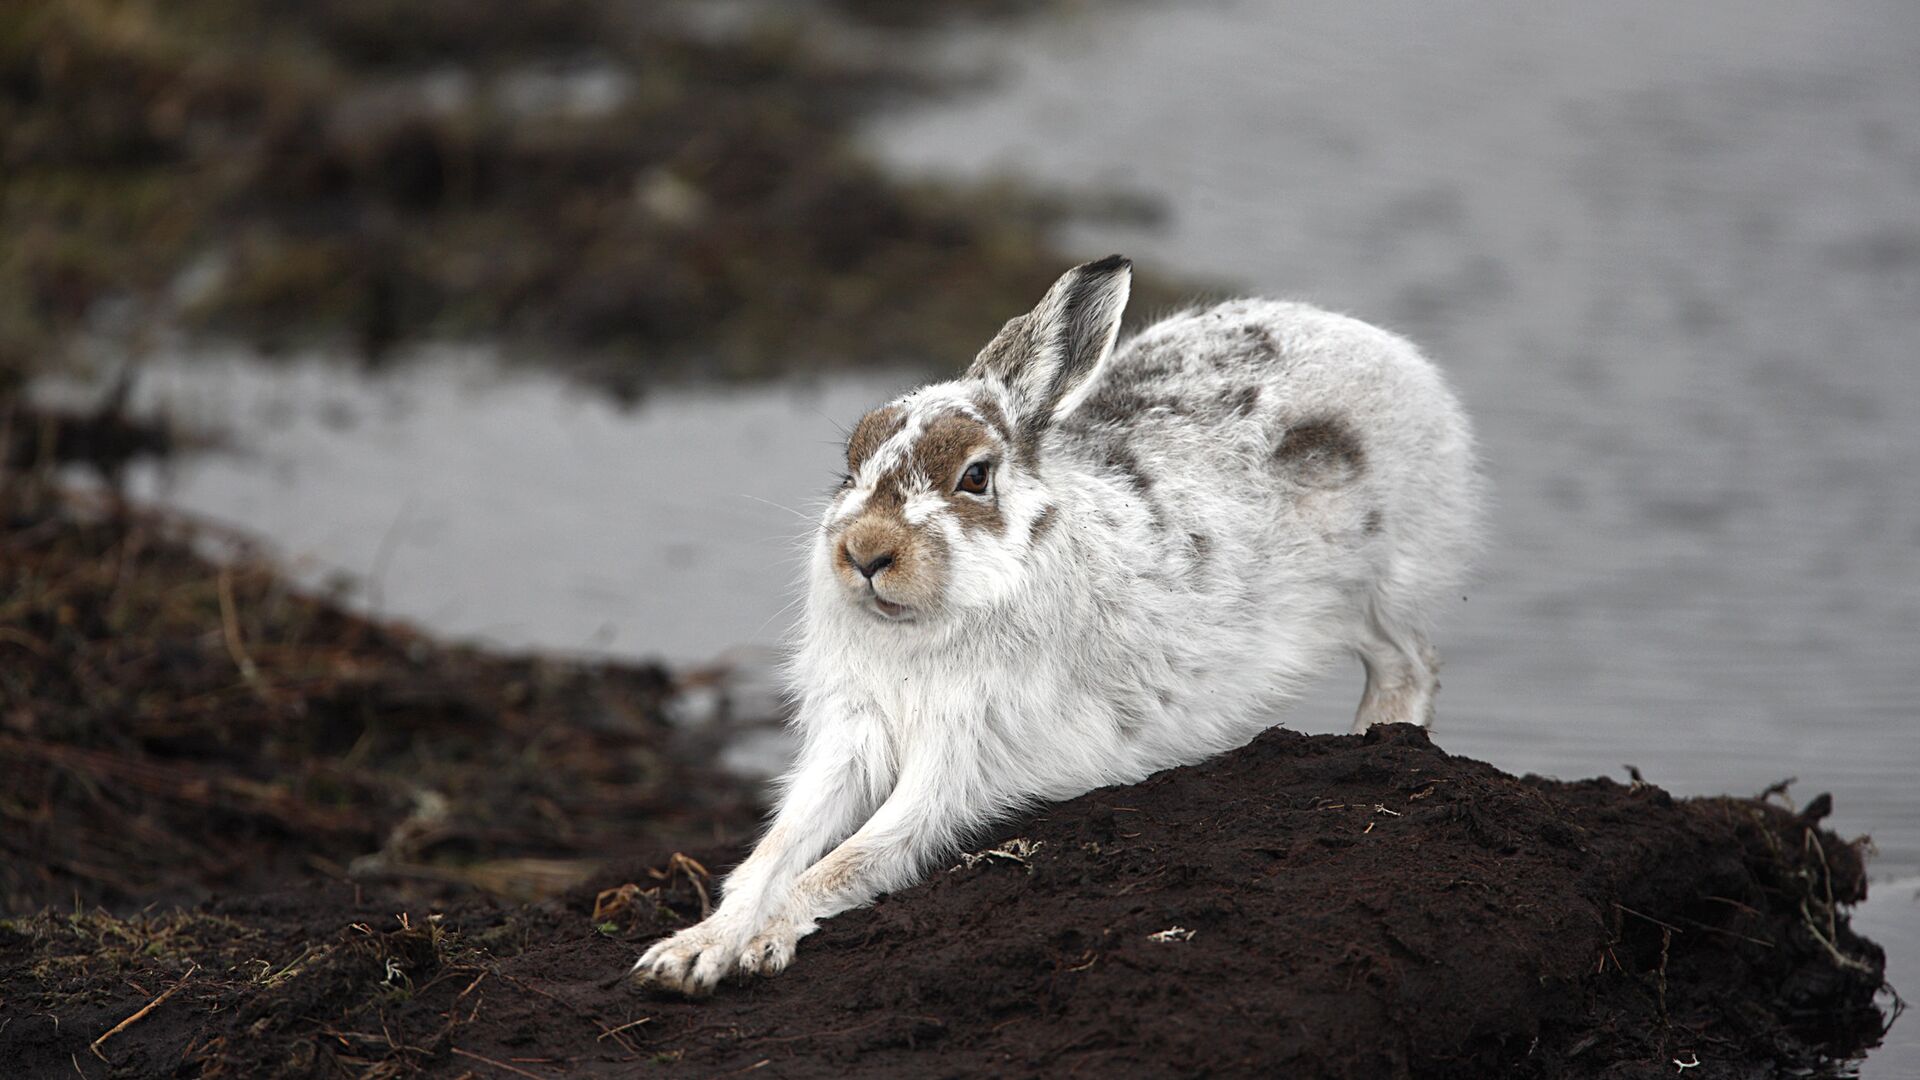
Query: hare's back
[1263, 419]
[1236, 380]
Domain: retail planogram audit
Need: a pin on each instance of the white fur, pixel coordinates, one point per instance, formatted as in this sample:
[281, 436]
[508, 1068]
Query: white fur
[1117, 644]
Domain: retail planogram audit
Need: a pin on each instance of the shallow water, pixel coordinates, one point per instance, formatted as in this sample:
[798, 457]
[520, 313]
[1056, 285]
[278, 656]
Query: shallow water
[512, 507]
[1672, 263]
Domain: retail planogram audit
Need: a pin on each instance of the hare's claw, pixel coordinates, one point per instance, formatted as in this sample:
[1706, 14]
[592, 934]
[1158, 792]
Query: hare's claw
[693, 961]
[771, 950]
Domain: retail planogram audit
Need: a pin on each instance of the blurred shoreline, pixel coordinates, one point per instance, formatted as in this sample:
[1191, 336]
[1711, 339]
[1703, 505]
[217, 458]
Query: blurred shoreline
[629, 192]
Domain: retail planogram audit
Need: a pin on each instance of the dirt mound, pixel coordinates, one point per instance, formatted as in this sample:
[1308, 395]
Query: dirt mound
[1314, 906]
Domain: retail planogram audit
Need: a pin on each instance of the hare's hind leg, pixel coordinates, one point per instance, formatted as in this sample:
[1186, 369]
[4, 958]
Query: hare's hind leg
[1403, 671]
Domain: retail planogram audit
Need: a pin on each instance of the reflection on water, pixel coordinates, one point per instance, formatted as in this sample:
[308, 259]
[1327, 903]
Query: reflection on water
[1671, 255]
[1891, 918]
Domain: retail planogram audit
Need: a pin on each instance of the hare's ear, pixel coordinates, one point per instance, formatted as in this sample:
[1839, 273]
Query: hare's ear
[1044, 355]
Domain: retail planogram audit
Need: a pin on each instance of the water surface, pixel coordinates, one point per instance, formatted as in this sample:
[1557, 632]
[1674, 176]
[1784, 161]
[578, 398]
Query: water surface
[512, 507]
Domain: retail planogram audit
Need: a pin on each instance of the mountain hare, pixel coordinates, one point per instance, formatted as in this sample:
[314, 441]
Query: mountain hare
[1075, 567]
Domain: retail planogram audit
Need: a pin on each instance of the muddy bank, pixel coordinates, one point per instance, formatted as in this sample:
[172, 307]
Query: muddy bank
[174, 727]
[1316, 905]
[630, 188]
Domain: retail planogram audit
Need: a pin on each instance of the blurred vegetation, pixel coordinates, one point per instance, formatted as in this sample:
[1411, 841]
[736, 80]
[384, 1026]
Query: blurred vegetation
[597, 179]
[916, 16]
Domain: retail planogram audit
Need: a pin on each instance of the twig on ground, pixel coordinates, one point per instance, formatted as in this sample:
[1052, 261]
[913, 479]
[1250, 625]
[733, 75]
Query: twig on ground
[144, 1010]
[515, 1069]
[697, 875]
[230, 629]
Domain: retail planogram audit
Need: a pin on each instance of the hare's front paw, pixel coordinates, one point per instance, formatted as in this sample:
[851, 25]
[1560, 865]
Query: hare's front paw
[695, 959]
[770, 950]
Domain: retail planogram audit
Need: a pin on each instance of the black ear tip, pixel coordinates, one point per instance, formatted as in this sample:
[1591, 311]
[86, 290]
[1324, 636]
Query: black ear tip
[1112, 264]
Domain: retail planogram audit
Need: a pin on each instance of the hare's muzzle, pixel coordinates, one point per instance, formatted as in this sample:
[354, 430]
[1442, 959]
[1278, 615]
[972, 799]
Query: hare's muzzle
[877, 563]
[869, 548]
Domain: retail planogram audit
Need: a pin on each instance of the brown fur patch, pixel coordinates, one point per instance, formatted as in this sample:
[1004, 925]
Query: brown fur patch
[1321, 452]
[947, 446]
[974, 514]
[833, 875]
[920, 556]
[873, 535]
[873, 429]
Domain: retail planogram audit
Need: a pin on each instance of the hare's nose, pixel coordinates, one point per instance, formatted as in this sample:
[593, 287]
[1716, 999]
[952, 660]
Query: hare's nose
[868, 565]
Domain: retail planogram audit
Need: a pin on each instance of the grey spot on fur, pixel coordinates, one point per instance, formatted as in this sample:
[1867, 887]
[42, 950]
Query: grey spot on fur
[1126, 464]
[1200, 553]
[1121, 460]
[996, 723]
[1243, 401]
[1260, 339]
[1122, 405]
[1376, 519]
[1043, 524]
[1133, 718]
[1153, 361]
[995, 419]
[1320, 452]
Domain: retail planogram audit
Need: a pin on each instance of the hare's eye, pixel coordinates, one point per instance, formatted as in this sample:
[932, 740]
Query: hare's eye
[974, 480]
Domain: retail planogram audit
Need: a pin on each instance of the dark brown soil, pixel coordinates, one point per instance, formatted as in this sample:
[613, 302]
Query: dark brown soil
[1334, 906]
